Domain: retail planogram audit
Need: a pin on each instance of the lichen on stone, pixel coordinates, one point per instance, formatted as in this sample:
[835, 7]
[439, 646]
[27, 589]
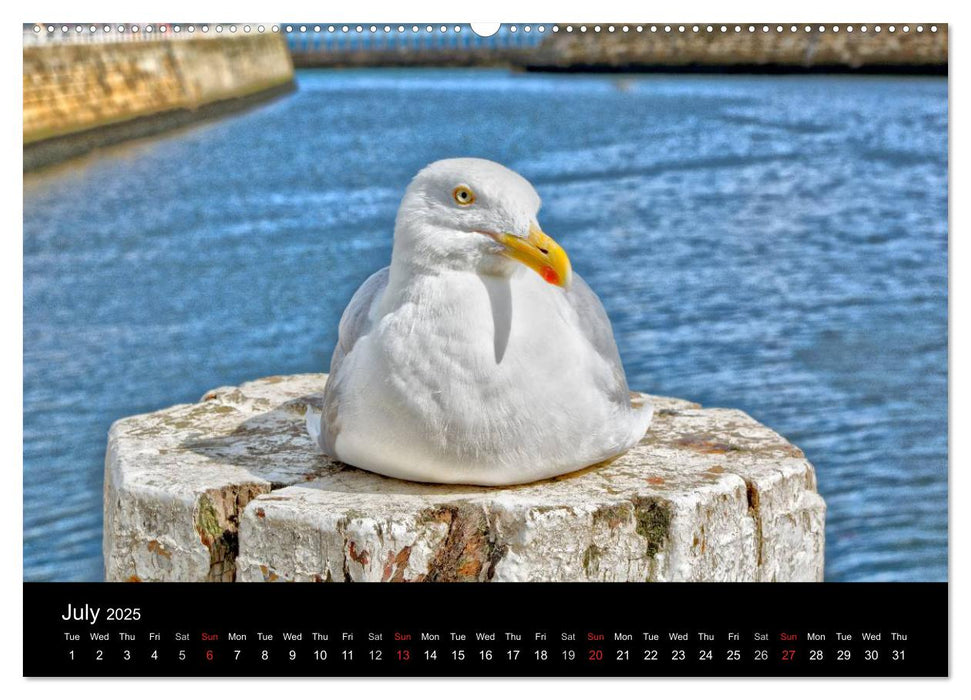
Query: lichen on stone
[207, 522]
[653, 523]
[591, 559]
[613, 515]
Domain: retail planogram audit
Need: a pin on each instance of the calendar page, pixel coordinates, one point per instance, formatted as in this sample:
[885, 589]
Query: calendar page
[605, 349]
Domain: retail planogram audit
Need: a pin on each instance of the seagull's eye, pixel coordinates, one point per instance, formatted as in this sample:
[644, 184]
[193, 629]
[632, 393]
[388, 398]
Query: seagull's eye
[463, 195]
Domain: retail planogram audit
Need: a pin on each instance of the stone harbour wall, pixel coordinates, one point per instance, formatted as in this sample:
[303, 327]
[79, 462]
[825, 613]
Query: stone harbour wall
[78, 96]
[772, 51]
[232, 489]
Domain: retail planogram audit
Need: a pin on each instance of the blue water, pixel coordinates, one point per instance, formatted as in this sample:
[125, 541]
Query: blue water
[775, 244]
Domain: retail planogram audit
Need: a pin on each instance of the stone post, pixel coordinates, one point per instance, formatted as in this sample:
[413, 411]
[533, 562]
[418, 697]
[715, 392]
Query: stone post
[231, 489]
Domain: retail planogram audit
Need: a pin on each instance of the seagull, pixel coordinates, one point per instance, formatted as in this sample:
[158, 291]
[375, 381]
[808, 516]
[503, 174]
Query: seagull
[477, 356]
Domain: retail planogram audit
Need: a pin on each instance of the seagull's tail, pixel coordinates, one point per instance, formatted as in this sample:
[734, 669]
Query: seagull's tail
[630, 429]
[313, 418]
[643, 412]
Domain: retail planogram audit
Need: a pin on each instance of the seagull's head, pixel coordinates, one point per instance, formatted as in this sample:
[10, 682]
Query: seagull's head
[475, 215]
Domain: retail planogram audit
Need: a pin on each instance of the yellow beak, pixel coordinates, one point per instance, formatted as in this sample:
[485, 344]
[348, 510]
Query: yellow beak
[541, 253]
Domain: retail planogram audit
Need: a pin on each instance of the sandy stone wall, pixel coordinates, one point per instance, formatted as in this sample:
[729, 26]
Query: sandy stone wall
[75, 88]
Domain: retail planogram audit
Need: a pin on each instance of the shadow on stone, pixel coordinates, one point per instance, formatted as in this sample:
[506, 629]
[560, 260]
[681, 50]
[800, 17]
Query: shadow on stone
[279, 438]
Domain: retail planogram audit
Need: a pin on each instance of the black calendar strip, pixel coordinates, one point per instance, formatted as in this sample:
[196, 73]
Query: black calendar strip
[485, 630]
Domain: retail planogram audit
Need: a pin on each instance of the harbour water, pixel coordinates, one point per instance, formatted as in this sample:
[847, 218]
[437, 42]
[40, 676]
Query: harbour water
[774, 244]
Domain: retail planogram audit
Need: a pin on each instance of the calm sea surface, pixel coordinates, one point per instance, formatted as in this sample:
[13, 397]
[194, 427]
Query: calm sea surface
[775, 244]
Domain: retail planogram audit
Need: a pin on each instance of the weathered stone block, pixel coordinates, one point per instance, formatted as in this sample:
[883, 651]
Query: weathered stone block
[231, 489]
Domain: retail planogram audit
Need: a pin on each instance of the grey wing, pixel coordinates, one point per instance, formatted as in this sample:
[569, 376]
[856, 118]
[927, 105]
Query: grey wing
[355, 323]
[596, 326]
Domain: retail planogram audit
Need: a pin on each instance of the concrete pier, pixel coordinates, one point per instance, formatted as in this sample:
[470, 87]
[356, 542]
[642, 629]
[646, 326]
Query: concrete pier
[231, 489]
[80, 96]
[850, 49]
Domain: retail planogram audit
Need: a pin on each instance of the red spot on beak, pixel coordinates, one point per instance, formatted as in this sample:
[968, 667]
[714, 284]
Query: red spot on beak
[549, 274]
